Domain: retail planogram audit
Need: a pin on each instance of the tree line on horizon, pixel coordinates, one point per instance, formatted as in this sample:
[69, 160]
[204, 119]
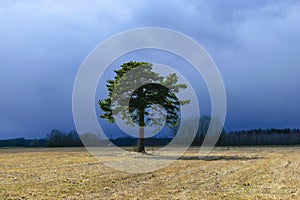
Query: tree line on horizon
[253, 137]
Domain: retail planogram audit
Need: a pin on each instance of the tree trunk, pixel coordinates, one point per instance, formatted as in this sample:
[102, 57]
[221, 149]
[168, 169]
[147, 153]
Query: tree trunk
[141, 145]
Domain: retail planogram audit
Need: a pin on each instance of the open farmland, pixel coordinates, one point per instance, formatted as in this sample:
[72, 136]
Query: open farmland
[227, 173]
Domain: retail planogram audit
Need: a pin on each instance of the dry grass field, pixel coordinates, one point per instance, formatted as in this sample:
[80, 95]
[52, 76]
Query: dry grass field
[227, 173]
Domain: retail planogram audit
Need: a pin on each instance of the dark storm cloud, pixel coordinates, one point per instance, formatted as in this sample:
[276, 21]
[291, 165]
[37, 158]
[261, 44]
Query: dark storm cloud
[254, 44]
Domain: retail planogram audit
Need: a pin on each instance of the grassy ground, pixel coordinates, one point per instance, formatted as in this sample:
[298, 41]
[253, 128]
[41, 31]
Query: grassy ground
[227, 173]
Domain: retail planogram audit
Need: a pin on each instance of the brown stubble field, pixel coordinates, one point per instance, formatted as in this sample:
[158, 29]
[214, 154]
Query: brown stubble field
[227, 173]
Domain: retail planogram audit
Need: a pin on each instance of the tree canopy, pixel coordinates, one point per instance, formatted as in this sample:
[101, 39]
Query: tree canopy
[134, 90]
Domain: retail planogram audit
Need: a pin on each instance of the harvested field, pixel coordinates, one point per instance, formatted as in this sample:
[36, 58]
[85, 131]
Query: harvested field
[226, 173]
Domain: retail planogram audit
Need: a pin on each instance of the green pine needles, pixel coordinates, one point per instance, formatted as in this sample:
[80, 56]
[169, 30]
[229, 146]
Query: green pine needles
[134, 90]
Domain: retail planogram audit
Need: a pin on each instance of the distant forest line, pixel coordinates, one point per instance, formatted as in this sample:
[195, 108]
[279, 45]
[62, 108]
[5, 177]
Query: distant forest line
[252, 137]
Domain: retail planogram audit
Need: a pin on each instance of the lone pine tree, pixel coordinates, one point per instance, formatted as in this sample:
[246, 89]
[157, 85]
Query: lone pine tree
[153, 90]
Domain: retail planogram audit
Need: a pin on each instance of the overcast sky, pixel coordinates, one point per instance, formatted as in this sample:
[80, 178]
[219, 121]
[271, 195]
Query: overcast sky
[255, 44]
